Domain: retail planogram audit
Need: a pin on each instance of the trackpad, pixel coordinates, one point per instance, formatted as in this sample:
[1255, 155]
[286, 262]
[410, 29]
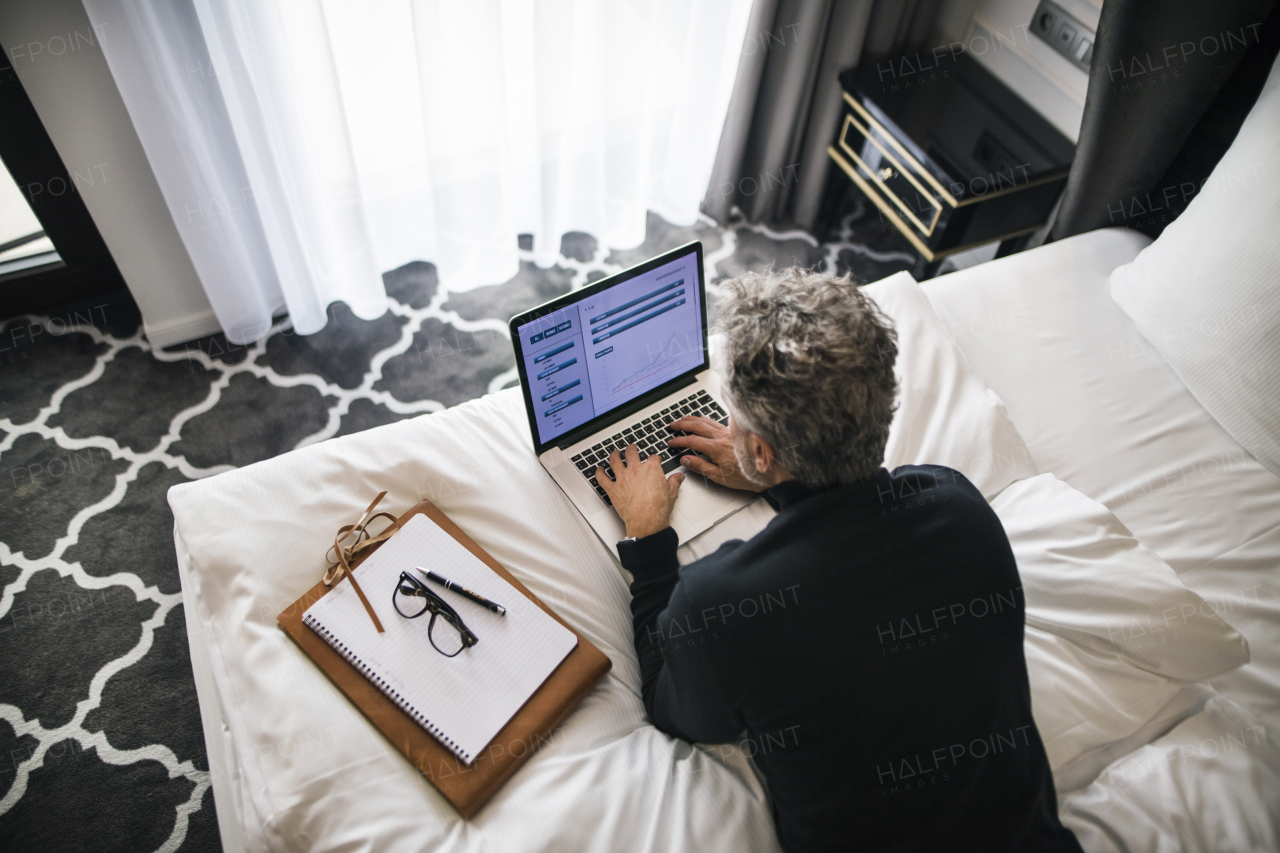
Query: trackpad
[700, 498]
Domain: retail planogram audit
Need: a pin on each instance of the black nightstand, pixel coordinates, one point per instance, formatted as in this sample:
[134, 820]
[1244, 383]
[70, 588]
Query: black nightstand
[950, 155]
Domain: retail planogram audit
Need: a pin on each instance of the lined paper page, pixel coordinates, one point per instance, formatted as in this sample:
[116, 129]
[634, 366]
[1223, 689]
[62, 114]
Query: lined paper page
[463, 701]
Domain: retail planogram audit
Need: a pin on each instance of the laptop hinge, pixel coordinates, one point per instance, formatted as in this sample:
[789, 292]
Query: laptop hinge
[621, 412]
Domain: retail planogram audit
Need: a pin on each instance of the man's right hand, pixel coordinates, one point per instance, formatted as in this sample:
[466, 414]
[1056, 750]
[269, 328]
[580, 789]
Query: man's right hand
[711, 439]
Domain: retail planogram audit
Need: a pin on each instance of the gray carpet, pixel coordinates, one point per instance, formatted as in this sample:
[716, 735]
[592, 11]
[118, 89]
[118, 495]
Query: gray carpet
[101, 747]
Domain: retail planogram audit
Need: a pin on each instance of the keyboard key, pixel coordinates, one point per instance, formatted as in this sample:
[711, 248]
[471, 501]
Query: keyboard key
[582, 464]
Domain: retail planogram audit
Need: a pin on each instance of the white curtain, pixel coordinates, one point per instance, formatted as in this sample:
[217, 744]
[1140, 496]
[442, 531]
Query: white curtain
[305, 146]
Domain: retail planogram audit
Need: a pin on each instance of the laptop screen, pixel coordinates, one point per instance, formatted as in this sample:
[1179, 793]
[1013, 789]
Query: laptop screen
[586, 354]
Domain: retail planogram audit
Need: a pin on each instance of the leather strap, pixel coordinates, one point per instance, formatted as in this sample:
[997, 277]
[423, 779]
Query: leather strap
[342, 554]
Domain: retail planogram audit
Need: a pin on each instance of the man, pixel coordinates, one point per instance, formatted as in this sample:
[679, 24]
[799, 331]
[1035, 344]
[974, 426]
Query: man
[869, 640]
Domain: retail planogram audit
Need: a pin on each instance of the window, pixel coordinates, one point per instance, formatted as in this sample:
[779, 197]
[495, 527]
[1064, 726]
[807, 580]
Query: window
[50, 250]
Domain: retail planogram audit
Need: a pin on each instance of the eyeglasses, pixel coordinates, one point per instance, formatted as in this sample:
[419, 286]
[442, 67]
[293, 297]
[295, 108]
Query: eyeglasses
[446, 631]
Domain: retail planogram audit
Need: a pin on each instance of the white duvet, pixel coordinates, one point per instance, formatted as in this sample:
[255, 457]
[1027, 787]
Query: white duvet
[297, 768]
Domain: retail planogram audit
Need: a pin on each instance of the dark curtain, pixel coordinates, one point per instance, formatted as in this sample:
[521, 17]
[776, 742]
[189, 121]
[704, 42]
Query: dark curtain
[772, 161]
[1169, 85]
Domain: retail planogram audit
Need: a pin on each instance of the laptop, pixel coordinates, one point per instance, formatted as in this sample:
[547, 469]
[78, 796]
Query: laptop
[614, 364]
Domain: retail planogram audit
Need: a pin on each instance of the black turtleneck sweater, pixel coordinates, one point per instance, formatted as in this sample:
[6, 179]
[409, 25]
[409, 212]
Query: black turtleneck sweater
[868, 642]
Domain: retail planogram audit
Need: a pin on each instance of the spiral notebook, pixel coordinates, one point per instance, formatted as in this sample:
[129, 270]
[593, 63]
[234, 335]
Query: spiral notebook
[462, 701]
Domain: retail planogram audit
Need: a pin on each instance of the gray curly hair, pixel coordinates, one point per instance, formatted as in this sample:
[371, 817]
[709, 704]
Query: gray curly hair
[808, 366]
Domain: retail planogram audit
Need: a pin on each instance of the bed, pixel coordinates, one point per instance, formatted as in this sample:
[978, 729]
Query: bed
[1125, 499]
[1099, 407]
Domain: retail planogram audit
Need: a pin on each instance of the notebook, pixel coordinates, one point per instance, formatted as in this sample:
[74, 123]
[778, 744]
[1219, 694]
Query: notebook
[462, 701]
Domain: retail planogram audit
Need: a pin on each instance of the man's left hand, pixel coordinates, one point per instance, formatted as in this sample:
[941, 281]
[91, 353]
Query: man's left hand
[641, 493]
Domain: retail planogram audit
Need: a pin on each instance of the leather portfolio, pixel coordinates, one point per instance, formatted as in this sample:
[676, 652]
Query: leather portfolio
[466, 787]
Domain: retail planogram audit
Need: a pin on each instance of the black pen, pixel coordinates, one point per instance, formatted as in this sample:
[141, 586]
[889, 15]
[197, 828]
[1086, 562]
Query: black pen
[463, 591]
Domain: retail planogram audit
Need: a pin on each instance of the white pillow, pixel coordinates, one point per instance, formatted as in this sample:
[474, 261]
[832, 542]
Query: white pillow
[1206, 294]
[1092, 708]
[1113, 636]
[946, 414]
[1088, 580]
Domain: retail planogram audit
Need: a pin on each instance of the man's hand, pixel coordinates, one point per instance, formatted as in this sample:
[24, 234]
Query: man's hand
[641, 493]
[711, 439]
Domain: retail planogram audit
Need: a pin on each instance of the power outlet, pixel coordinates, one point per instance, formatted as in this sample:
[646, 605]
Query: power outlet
[1064, 33]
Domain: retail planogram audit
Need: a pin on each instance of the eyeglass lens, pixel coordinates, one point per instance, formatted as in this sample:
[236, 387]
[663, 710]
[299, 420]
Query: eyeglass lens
[444, 636]
[413, 600]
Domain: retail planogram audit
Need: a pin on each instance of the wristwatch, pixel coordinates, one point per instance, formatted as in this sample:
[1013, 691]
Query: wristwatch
[627, 539]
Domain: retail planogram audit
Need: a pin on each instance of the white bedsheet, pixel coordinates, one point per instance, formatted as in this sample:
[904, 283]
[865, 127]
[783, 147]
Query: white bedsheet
[302, 767]
[1210, 785]
[1101, 409]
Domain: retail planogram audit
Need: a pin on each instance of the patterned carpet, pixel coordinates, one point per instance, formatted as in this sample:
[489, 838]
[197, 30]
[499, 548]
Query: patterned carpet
[101, 747]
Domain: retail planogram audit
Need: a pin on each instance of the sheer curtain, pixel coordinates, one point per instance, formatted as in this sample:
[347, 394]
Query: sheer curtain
[305, 146]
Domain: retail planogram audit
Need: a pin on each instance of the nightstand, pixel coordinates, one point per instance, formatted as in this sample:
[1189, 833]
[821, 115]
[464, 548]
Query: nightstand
[949, 154]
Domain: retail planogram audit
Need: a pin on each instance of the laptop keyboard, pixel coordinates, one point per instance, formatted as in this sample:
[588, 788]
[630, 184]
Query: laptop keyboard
[650, 437]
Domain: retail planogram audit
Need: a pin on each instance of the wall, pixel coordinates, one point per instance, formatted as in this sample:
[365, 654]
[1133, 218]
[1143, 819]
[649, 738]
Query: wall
[954, 17]
[55, 54]
[1044, 79]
